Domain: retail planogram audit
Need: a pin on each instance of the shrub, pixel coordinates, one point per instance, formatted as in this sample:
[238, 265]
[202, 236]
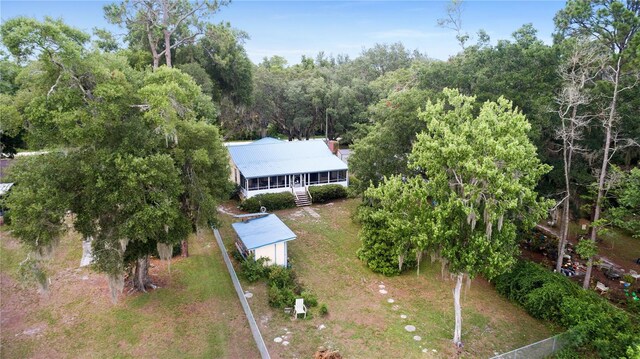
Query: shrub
[236, 189]
[633, 305]
[235, 253]
[355, 187]
[324, 310]
[282, 277]
[254, 270]
[568, 353]
[281, 297]
[592, 321]
[271, 201]
[628, 278]
[326, 193]
[310, 299]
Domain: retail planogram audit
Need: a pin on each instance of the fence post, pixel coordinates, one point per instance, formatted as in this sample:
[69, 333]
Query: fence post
[553, 348]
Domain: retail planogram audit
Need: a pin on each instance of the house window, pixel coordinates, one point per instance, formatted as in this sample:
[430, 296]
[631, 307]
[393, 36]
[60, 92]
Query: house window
[338, 176]
[243, 181]
[278, 181]
[263, 183]
[313, 178]
[323, 177]
[253, 184]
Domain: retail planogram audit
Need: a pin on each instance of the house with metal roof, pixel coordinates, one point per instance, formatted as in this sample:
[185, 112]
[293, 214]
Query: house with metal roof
[270, 165]
[264, 235]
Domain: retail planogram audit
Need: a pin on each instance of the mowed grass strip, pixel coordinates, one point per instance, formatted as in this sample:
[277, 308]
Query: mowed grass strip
[194, 314]
[361, 323]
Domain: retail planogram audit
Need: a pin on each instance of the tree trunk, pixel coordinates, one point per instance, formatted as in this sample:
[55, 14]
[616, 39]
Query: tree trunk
[141, 274]
[166, 33]
[457, 332]
[603, 170]
[564, 233]
[154, 50]
[184, 248]
[567, 153]
[167, 48]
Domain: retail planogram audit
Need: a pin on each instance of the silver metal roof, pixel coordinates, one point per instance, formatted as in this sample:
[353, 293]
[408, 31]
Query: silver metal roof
[263, 231]
[271, 157]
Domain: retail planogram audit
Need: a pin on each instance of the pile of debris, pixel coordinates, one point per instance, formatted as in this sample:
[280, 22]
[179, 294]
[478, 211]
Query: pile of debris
[324, 353]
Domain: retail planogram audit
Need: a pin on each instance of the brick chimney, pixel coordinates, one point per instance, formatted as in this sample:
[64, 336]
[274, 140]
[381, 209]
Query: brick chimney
[334, 147]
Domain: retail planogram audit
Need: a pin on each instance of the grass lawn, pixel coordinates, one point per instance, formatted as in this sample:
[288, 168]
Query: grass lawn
[361, 322]
[194, 314]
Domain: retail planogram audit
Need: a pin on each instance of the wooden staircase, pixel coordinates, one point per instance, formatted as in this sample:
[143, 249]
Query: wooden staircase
[302, 198]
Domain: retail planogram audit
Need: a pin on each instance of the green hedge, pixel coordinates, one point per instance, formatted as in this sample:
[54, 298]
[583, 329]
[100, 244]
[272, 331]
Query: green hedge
[271, 201]
[592, 321]
[326, 193]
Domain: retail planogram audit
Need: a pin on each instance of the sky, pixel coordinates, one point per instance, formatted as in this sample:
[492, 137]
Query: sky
[295, 28]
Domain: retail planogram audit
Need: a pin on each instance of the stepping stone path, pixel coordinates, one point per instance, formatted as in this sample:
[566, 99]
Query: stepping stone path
[277, 340]
[322, 326]
[248, 295]
[285, 343]
[410, 328]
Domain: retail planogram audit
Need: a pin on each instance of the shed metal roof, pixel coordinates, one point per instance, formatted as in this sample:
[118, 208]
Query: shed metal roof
[263, 231]
[271, 157]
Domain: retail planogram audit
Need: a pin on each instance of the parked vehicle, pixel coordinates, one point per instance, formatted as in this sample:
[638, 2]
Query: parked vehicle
[612, 273]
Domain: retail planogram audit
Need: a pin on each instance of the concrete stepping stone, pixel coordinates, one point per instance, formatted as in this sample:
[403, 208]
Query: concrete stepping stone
[322, 326]
[285, 343]
[425, 350]
[248, 295]
[410, 328]
[382, 291]
[381, 286]
[417, 338]
[390, 300]
[403, 316]
[277, 340]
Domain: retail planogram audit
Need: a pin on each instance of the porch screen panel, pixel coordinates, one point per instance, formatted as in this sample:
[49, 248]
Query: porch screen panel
[313, 178]
[253, 184]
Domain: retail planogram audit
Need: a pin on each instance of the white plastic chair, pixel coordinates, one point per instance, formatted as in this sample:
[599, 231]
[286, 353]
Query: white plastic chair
[300, 308]
[601, 287]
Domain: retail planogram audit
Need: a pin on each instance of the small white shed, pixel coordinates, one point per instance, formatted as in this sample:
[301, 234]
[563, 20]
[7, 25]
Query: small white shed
[264, 236]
